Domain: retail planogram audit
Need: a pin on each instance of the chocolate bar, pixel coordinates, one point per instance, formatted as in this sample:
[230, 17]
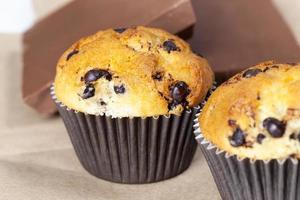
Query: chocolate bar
[234, 35]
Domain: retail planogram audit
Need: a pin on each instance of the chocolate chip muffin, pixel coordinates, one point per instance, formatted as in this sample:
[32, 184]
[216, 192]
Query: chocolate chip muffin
[249, 132]
[256, 113]
[128, 98]
[131, 72]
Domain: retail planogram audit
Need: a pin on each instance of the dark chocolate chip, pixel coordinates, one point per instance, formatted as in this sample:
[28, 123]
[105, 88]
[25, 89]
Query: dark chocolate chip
[119, 89]
[260, 137]
[169, 46]
[231, 122]
[120, 30]
[275, 127]
[293, 155]
[238, 138]
[179, 91]
[273, 67]
[293, 136]
[101, 102]
[160, 93]
[72, 53]
[95, 74]
[266, 69]
[251, 72]
[157, 76]
[89, 91]
[258, 97]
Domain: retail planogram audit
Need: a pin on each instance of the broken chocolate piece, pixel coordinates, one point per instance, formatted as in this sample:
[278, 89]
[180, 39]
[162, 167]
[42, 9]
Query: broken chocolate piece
[119, 89]
[275, 127]
[72, 53]
[95, 74]
[251, 72]
[260, 137]
[120, 30]
[89, 91]
[238, 138]
[169, 46]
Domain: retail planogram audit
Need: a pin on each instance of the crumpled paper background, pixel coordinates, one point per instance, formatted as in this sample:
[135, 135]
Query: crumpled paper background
[36, 157]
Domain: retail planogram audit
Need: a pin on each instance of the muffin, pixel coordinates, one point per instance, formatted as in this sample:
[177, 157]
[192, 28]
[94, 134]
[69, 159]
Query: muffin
[127, 97]
[249, 131]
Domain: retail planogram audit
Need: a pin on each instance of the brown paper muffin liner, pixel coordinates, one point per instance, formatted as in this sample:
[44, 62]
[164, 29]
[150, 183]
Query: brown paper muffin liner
[131, 150]
[247, 179]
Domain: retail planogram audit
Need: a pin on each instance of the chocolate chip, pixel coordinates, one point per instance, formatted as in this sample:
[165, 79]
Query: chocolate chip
[266, 69]
[179, 91]
[293, 136]
[258, 97]
[89, 91]
[169, 46]
[273, 67]
[275, 127]
[251, 72]
[231, 122]
[119, 89]
[160, 93]
[293, 155]
[95, 74]
[120, 30]
[238, 138]
[72, 53]
[260, 137]
[157, 76]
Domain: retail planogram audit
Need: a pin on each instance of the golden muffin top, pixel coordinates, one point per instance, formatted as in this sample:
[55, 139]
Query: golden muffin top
[256, 113]
[134, 72]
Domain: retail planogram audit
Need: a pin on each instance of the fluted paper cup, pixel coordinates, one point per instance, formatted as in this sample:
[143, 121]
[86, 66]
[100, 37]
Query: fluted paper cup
[248, 179]
[131, 150]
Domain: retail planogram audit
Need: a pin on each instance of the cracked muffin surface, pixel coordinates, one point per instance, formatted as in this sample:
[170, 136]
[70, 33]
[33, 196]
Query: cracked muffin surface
[256, 113]
[133, 72]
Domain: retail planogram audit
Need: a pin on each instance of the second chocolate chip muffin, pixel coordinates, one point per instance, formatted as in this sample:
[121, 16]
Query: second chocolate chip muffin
[256, 114]
[131, 72]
